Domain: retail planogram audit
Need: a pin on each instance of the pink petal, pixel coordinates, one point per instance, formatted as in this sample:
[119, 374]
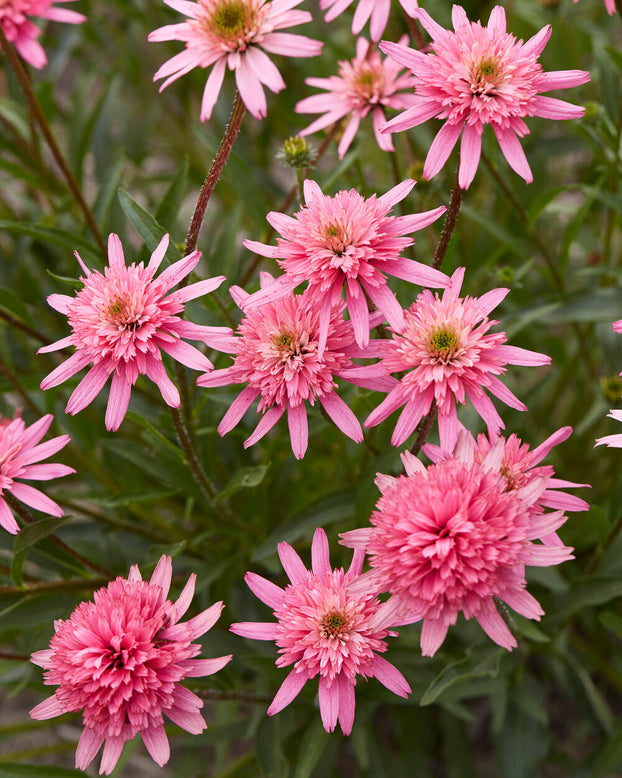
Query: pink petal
[157, 744]
[265, 590]
[115, 251]
[328, 698]
[88, 388]
[298, 429]
[432, 636]
[159, 376]
[191, 721]
[48, 709]
[320, 553]
[343, 417]
[347, 703]
[267, 421]
[69, 367]
[113, 747]
[255, 630]
[552, 108]
[441, 148]
[390, 677]
[470, 152]
[494, 626]
[162, 576]
[36, 499]
[197, 668]
[118, 400]
[88, 746]
[292, 563]
[513, 152]
[289, 690]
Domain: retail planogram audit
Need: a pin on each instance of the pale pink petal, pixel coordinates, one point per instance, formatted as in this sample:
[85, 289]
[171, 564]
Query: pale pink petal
[118, 400]
[343, 417]
[390, 676]
[346, 704]
[470, 152]
[88, 746]
[494, 626]
[159, 376]
[115, 250]
[36, 499]
[212, 89]
[197, 668]
[255, 630]
[513, 152]
[267, 421]
[88, 388]
[48, 709]
[292, 564]
[441, 148]
[328, 698]
[191, 721]
[432, 636]
[113, 746]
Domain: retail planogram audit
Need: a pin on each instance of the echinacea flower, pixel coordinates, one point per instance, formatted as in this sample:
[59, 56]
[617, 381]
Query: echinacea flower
[377, 11]
[20, 453]
[277, 356]
[122, 320]
[120, 659]
[519, 466]
[352, 241]
[476, 76]
[367, 84]
[22, 33]
[452, 538]
[448, 355]
[321, 629]
[235, 34]
[614, 441]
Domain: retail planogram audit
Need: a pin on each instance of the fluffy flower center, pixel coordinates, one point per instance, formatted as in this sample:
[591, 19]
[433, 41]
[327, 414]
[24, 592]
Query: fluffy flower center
[108, 659]
[121, 315]
[278, 351]
[230, 24]
[444, 345]
[480, 75]
[11, 465]
[443, 538]
[324, 630]
[365, 82]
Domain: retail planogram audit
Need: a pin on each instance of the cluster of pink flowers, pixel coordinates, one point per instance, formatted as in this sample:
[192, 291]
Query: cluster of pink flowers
[453, 537]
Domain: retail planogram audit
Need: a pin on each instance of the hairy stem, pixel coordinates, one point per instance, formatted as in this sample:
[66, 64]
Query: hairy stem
[231, 133]
[448, 228]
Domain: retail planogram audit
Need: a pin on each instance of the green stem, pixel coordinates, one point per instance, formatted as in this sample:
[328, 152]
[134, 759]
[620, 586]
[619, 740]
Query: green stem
[450, 223]
[231, 133]
[24, 328]
[24, 81]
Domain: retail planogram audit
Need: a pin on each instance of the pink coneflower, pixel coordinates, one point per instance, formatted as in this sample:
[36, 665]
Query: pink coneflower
[122, 320]
[614, 441]
[366, 84]
[277, 355]
[477, 76]
[449, 356]
[377, 11]
[519, 466]
[23, 34]
[120, 660]
[451, 538]
[235, 34]
[350, 241]
[20, 449]
[321, 629]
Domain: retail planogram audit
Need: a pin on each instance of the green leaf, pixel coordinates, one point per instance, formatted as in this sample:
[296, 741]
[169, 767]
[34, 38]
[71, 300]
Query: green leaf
[245, 478]
[33, 533]
[14, 304]
[62, 238]
[108, 190]
[477, 664]
[146, 226]
[312, 747]
[169, 207]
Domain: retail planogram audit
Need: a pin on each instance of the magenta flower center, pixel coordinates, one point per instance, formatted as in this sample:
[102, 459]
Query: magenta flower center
[484, 77]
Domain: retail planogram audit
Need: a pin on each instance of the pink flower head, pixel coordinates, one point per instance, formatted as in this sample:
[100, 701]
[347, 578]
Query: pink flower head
[475, 76]
[122, 320]
[350, 241]
[277, 355]
[614, 441]
[375, 10]
[120, 659]
[23, 34]
[448, 356]
[20, 450]
[519, 466]
[451, 538]
[321, 629]
[235, 34]
[366, 84]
